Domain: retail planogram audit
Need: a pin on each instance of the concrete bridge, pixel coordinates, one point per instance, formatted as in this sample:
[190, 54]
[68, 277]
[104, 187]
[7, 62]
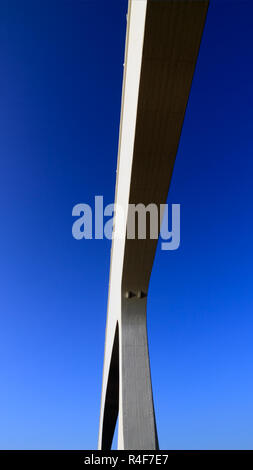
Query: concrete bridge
[162, 44]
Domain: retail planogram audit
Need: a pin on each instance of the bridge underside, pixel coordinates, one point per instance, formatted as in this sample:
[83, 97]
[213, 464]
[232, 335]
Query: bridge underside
[163, 39]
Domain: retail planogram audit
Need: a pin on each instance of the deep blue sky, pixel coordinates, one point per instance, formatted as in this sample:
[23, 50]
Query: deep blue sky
[60, 88]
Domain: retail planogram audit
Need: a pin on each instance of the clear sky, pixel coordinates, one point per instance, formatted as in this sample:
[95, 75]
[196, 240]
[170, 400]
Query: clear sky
[60, 89]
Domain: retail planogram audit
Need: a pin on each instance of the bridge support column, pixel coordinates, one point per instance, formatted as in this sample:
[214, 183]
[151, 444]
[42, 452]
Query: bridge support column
[137, 425]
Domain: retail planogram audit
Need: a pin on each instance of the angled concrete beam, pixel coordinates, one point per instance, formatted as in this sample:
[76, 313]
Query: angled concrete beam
[162, 43]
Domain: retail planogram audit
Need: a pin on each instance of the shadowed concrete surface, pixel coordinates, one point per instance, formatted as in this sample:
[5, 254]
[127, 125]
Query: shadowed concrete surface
[162, 44]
